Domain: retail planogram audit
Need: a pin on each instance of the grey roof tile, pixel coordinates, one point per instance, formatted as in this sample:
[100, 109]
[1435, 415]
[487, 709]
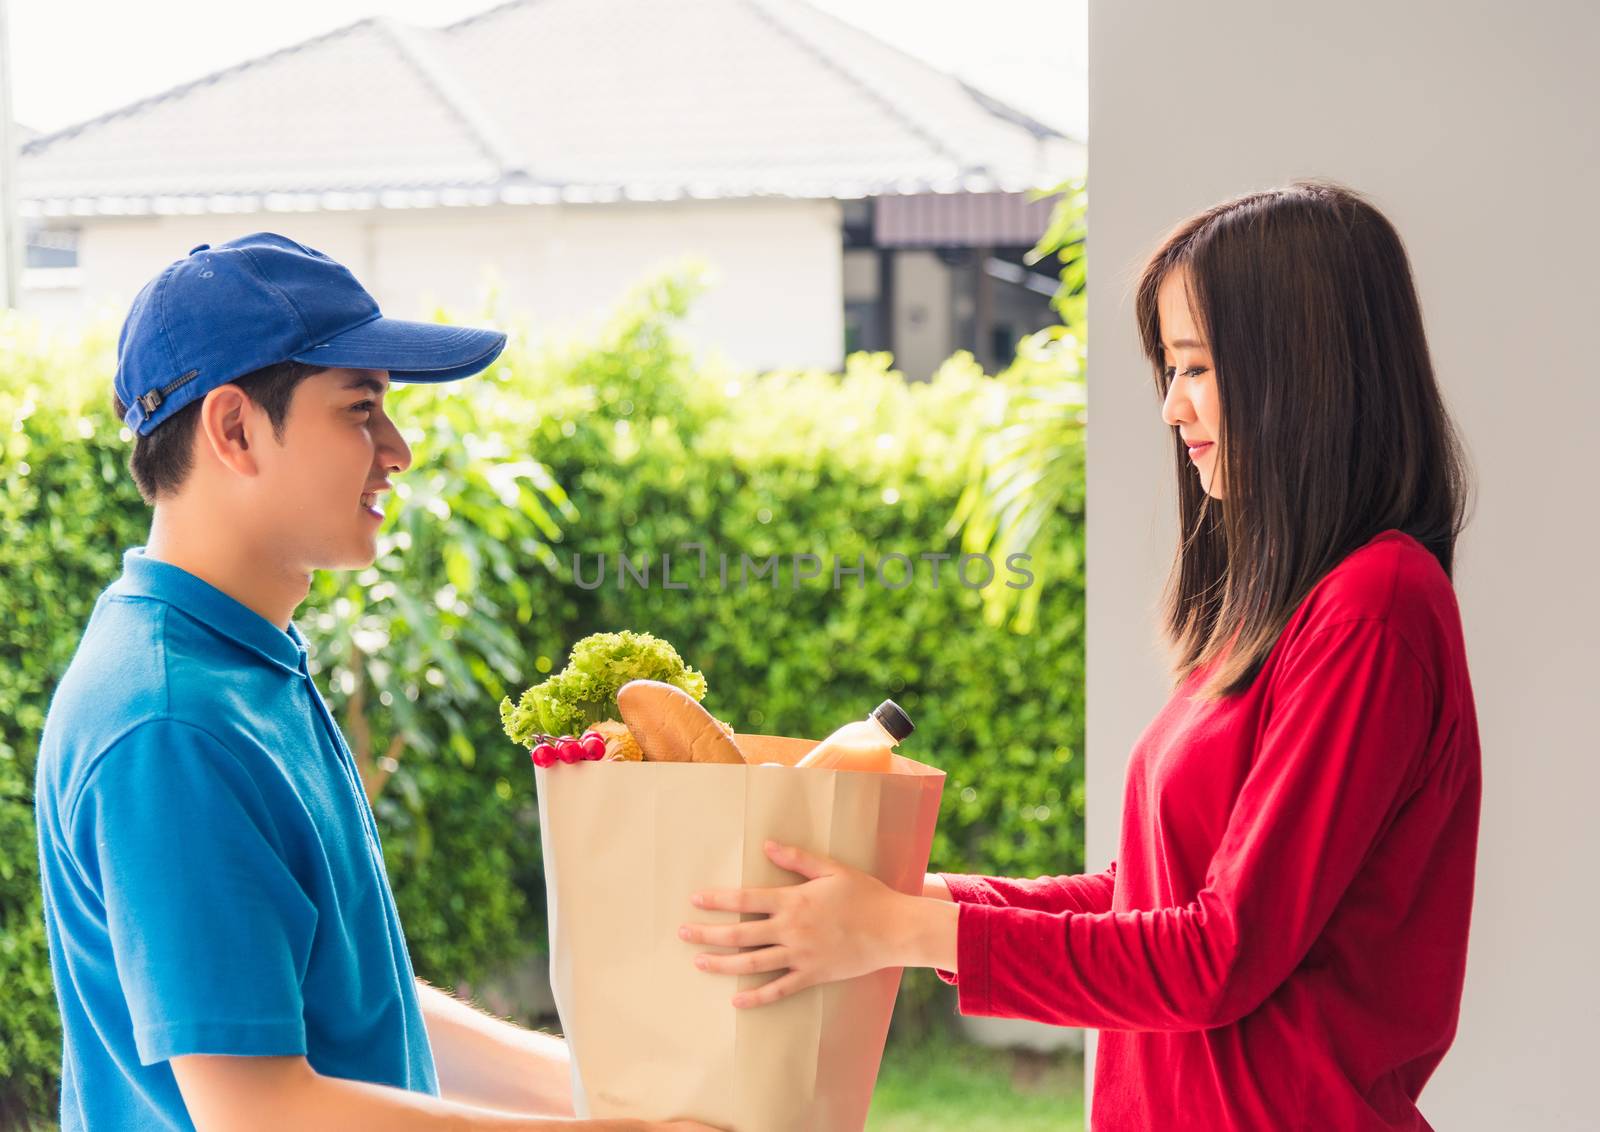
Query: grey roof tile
[557, 99]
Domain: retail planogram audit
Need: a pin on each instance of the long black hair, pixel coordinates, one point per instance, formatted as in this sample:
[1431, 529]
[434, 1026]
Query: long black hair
[1332, 424]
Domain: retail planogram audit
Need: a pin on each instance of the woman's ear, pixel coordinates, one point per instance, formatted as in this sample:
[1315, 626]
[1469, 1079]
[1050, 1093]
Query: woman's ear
[229, 421]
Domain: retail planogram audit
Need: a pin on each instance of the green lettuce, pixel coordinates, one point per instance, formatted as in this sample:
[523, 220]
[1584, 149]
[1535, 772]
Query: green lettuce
[585, 691]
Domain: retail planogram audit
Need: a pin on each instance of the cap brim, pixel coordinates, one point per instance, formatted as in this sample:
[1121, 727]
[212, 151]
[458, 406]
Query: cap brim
[409, 351]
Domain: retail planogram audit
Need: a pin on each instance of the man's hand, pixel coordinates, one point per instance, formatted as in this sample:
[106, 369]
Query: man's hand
[840, 924]
[267, 1094]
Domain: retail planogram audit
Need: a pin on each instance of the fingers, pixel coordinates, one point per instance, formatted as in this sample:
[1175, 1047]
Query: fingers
[771, 992]
[768, 900]
[747, 934]
[746, 962]
[797, 860]
[738, 900]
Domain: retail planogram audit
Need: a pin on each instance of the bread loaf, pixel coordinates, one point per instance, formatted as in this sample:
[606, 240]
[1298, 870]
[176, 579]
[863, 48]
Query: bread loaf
[671, 726]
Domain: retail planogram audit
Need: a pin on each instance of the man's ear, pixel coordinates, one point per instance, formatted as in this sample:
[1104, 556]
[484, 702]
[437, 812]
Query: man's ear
[230, 425]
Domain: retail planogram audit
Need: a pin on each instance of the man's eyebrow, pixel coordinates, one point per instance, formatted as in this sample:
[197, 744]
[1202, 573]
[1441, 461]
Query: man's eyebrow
[367, 381]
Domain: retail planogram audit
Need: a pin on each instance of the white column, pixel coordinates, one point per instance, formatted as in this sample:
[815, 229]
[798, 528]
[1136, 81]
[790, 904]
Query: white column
[1473, 126]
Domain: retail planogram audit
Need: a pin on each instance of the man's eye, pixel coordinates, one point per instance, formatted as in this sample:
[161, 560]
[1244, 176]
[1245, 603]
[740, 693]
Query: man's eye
[363, 407]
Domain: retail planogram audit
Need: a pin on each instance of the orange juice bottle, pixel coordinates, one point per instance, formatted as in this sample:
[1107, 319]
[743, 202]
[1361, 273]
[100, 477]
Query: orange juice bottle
[866, 744]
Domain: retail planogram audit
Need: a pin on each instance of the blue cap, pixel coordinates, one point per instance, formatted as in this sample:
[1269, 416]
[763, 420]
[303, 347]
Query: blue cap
[222, 312]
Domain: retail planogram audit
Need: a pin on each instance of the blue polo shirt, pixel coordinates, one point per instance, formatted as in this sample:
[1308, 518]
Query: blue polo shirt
[213, 880]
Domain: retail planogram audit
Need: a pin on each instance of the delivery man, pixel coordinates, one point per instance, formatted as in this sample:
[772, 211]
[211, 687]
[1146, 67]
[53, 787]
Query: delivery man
[225, 946]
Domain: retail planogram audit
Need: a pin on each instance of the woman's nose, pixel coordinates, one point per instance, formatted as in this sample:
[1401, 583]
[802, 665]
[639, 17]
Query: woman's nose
[1175, 409]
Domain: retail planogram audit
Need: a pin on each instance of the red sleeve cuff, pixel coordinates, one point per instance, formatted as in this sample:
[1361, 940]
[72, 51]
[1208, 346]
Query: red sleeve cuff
[965, 889]
[972, 958]
[961, 890]
[975, 888]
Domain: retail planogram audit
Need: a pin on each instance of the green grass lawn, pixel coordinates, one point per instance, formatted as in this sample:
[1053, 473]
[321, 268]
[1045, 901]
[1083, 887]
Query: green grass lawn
[945, 1085]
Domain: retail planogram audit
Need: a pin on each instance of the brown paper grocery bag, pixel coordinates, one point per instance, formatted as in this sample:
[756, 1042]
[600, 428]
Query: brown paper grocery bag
[627, 843]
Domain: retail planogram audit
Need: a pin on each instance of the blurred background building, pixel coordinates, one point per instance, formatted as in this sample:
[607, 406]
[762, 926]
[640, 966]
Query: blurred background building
[844, 195]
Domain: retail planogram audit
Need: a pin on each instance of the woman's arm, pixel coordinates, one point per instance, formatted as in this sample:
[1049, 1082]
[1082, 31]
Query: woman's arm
[1351, 720]
[847, 923]
[1081, 892]
[1351, 717]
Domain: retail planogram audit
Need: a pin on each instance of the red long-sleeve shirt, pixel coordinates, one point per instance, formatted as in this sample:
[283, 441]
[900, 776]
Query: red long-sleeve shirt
[1281, 941]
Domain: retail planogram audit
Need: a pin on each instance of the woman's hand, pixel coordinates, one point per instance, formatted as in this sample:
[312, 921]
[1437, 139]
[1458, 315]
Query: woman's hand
[840, 924]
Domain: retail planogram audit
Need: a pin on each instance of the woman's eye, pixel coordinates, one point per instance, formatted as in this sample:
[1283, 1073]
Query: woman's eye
[1192, 371]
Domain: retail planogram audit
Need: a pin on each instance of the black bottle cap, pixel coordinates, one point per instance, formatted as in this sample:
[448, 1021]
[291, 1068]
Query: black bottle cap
[894, 719]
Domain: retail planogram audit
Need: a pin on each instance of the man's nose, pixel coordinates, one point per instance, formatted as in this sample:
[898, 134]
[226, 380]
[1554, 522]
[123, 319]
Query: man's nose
[396, 452]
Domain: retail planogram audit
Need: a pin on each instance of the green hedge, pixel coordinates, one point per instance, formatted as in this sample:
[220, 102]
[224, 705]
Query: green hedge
[623, 445]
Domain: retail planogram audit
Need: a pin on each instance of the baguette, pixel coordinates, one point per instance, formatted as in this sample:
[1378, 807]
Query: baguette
[672, 727]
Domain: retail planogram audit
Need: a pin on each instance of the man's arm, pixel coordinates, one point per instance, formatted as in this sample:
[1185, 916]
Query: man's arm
[268, 1094]
[494, 1064]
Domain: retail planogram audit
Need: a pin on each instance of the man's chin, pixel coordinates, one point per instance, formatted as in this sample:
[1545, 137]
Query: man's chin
[356, 558]
[362, 560]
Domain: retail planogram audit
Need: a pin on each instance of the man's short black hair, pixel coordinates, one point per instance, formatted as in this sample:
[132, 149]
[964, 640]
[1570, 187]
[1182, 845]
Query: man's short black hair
[162, 460]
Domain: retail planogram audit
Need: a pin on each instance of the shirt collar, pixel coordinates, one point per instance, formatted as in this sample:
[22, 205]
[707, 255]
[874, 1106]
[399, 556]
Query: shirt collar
[226, 617]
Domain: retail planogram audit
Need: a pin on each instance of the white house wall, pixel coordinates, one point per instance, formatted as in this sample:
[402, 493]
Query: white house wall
[776, 268]
[923, 311]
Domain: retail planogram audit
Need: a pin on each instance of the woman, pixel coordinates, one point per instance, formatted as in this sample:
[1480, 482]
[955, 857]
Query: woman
[1281, 940]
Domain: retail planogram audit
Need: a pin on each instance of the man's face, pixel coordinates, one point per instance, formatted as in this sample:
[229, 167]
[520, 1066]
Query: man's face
[320, 487]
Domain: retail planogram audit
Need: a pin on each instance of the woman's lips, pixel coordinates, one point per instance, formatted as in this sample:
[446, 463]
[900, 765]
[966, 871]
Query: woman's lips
[1199, 448]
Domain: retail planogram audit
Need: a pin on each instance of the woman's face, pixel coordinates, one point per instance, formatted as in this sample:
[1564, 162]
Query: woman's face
[1191, 406]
